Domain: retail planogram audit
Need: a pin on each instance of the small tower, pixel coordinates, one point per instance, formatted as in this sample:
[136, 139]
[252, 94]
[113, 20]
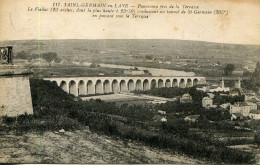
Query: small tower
[15, 93]
[222, 83]
[238, 83]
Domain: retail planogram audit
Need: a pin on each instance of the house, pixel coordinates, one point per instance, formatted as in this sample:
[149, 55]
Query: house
[158, 101]
[218, 89]
[164, 119]
[252, 106]
[225, 105]
[176, 98]
[223, 94]
[192, 118]
[162, 112]
[211, 95]
[207, 102]
[133, 72]
[249, 94]
[235, 92]
[242, 108]
[186, 98]
[255, 115]
[201, 87]
[158, 118]
[236, 116]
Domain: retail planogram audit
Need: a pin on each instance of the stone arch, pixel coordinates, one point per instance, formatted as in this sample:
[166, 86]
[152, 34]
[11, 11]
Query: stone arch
[168, 83]
[115, 86]
[107, 86]
[182, 83]
[189, 83]
[82, 88]
[63, 85]
[175, 83]
[123, 86]
[153, 84]
[99, 87]
[146, 85]
[54, 82]
[138, 85]
[195, 81]
[73, 88]
[160, 83]
[131, 85]
[90, 87]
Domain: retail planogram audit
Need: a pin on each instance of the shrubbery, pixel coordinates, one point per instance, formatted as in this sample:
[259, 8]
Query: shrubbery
[54, 109]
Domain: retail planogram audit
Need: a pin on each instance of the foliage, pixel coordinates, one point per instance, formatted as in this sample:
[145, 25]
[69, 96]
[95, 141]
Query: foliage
[9, 120]
[257, 139]
[50, 56]
[54, 109]
[21, 55]
[218, 99]
[228, 69]
[175, 91]
[256, 75]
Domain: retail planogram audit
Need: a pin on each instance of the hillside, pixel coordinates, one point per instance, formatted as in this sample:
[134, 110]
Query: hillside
[123, 50]
[81, 147]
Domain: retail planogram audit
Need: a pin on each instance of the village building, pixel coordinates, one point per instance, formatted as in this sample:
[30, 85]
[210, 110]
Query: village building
[225, 105]
[218, 89]
[249, 95]
[255, 115]
[186, 98]
[223, 94]
[235, 92]
[236, 116]
[201, 87]
[192, 118]
[134, 72]
[242, 108]
[162, 112]
[208, 103]
[211, 95]
[252, 106]
[159, 118]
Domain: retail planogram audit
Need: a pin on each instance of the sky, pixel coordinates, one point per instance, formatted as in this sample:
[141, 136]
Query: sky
[240, 26]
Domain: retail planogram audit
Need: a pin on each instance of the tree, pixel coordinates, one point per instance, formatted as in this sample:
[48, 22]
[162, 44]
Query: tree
[50, 56]
[150, 57]
[57, 60]
[21, 55]
[257, 139]
[228, 69]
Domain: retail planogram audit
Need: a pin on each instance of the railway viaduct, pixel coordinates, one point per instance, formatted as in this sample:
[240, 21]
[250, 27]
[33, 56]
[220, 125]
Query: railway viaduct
[100, 85]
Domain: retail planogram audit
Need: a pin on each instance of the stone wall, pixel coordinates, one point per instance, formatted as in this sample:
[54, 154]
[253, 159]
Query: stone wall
[15, 95]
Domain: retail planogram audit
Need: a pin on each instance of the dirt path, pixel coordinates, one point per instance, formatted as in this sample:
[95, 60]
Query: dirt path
[80, 147]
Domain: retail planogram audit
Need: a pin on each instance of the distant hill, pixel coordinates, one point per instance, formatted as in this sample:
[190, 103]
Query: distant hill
[118, 48]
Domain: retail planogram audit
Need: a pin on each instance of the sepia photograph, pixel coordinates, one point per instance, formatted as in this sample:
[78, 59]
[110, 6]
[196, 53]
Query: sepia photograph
[130, 82]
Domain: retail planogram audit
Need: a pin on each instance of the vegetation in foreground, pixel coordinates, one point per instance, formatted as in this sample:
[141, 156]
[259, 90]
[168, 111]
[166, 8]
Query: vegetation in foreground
[54, 109]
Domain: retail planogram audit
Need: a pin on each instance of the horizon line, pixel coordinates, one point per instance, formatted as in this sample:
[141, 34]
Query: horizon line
[131, 39]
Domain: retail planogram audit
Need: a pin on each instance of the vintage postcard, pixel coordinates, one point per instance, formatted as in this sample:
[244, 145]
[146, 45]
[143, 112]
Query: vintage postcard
[128, 81]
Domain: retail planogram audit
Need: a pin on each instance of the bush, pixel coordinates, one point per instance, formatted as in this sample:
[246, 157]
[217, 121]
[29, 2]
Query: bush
[25, 119]
[55, 109]
[257, 139]
[9, 120]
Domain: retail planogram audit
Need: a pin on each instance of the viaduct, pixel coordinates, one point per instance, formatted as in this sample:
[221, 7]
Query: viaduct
[100, 85]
